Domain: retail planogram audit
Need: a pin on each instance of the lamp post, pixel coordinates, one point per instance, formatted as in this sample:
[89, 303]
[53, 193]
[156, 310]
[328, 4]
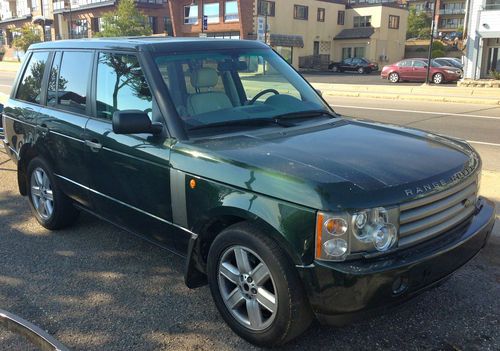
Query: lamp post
[429, 56]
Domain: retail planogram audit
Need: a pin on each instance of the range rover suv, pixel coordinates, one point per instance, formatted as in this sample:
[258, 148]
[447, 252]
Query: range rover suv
[220, 151]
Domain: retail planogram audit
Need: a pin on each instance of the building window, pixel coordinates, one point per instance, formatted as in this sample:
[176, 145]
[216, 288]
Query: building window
[231, 11]
[152, 23]
[362, 21]
[95, 24]
[359, 51]
[321, 15]
[341, 17]
[79, 29]
[168, 27]
[212, 12]
[191, 14]
[346, 53]
[492, 5]
[266, 8]
[300, 12]
[393, 22]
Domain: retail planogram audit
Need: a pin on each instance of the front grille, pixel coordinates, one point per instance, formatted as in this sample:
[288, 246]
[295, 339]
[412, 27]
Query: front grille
[431, 216]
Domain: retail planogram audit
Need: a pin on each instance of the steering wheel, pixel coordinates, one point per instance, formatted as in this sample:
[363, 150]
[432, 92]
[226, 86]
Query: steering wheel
[263, 92]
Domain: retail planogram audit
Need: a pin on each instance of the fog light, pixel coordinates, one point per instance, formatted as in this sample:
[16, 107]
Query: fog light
[384, 237]
[335, 247]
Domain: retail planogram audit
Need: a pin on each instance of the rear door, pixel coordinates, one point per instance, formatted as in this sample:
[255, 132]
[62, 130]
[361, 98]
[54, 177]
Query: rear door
[62, 120]
[419, 70]
[130, 173]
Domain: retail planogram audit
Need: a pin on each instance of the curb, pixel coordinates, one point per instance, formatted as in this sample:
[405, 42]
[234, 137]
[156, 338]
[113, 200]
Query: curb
[408, 97]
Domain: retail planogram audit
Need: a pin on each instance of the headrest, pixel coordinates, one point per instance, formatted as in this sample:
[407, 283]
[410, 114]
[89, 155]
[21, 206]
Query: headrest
[204, 78]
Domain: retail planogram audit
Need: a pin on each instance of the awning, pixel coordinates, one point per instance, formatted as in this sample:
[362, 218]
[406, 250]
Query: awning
[41, 20]
[355, 33]
[286, 40]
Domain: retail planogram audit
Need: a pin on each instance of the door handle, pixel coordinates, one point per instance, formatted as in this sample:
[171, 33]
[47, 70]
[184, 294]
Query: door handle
[93, 145]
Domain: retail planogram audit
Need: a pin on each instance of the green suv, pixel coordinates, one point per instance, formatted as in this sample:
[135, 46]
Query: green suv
[219, 151]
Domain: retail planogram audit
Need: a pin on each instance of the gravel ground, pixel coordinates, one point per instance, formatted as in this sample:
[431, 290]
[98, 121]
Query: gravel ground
[95, 287]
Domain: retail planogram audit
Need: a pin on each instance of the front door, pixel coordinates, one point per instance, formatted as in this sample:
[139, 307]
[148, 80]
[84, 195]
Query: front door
[419, 71]
[130, 182]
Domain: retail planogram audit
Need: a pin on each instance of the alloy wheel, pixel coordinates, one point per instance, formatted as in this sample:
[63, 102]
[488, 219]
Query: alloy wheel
[393, 77]
[335, 68]
[361, 70]
[247, 288]
[438, 78]
[41, 193]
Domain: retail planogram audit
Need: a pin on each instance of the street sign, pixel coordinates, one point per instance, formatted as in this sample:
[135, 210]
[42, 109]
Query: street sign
[205, 22]
[261, 28]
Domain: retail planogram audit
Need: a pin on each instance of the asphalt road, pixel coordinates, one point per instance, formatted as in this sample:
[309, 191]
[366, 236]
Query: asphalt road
[96, 287]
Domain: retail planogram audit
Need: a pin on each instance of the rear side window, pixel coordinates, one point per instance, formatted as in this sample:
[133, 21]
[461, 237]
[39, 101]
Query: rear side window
[121, 85]
[30, 88]
[68, 81]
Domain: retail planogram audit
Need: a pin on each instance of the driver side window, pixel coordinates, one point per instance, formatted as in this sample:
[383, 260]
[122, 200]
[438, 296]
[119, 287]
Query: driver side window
[121, 85]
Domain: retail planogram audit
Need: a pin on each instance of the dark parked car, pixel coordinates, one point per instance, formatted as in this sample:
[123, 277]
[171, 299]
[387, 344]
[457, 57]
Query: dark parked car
[355, 64]
[450, 63]
[415, 70]
[286, 209]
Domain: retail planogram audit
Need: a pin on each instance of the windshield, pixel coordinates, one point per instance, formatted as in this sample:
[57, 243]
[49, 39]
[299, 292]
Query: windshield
[236, 86]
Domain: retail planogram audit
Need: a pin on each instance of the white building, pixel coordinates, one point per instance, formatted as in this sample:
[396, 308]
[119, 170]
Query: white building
[483, 41]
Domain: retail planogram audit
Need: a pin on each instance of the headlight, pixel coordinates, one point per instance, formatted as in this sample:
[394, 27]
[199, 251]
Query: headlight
[450, 71]
[365, 231]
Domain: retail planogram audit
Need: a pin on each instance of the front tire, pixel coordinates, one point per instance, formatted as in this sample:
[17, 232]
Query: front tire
[438, 78]
[335, 69]
[393, 77]
[256, 288]
[51, 207]
[361, 70]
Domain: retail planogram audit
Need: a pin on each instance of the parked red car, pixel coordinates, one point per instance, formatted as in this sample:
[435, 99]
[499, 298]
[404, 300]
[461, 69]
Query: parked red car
[415, 70]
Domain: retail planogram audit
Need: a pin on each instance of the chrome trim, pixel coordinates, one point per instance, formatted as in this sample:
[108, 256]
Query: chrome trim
[65, 136]
[18, 120]
[178, 196]
[31, 332]
[125, 204]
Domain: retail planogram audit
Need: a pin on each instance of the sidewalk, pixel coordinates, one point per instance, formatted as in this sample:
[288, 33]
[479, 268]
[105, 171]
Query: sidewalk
[9, 66]
[468, 95]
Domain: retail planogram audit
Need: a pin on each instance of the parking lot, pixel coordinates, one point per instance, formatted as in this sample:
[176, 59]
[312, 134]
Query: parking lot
[96, 287]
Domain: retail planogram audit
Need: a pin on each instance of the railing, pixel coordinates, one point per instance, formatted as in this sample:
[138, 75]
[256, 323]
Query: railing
[452, 11]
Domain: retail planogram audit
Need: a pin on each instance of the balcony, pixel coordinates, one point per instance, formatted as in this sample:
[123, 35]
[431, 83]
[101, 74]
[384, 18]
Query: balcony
[74, 5]
[452, 11]
[492, 5]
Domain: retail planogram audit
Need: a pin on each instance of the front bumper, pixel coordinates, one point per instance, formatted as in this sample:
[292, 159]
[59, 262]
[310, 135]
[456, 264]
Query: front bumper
[340, 293]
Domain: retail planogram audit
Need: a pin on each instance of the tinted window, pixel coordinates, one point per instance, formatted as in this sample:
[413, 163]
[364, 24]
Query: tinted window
[73, 80]
[30, 87]
[347, 61]
[121, 85]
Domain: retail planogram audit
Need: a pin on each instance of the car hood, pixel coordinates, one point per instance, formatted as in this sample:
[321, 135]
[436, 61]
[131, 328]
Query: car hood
[340, 164]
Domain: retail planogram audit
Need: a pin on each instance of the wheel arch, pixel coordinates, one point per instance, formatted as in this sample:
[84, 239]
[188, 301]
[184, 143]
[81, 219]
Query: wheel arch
[27, 153]
[212, 225]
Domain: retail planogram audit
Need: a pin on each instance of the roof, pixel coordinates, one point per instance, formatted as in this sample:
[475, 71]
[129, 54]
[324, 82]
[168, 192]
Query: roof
[355, 33]
[158, 44]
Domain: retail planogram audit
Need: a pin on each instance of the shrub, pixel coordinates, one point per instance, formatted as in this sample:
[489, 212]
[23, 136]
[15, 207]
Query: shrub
[495, 74]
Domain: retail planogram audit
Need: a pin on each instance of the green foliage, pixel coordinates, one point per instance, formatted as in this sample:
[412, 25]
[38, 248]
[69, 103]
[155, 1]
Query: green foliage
[419, 25]
[438, 53]
[28, 34]
[495, 74]
[437, 45]
[126, 20]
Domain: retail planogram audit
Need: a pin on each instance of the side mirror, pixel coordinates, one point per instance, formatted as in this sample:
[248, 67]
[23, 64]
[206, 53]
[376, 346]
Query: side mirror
[134, 122]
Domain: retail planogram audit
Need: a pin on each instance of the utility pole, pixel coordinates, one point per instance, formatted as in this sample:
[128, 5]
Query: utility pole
[429, 56]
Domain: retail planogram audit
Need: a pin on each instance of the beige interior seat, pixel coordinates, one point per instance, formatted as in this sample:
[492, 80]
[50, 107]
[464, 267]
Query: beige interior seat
[205, 100]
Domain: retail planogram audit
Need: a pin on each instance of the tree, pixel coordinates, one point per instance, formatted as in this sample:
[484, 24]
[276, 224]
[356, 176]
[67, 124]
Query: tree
[27, 35]
[127, 20]
[419, 25]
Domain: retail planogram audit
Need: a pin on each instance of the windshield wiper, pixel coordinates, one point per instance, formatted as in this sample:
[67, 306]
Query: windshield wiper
[243, 122]
[304, 114]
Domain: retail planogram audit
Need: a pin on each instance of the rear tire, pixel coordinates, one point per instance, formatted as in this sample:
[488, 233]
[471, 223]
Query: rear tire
[236, 257]
[393, 77]
[51, 207]
[335, 69]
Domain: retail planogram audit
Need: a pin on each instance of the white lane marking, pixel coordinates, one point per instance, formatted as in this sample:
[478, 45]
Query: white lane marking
[482, 143]
[420, 112]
